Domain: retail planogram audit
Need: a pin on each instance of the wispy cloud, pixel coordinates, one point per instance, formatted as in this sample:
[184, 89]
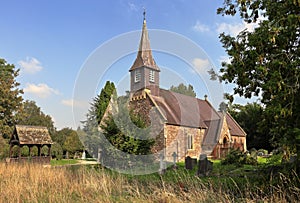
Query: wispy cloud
[235, 28]
[200, 27]
[225, 59]
[40, 90]
[132, 6]
[201, 65]
[30, 65]
[74, 103]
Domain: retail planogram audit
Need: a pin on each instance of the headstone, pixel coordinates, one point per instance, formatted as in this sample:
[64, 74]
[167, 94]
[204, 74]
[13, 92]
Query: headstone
[99, 160]
[190, 163]
[293, 159]
[83, 155]
[205, 166]
[162, 169]
[174, 155]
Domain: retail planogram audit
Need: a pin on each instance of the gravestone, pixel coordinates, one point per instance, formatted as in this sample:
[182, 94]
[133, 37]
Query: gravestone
[190, 163]
[204, 166]
[174, 155]
[83, 155]
[99, 159]
[162, 168]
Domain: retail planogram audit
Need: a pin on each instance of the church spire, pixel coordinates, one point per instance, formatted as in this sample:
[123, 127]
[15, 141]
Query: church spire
[144, 56]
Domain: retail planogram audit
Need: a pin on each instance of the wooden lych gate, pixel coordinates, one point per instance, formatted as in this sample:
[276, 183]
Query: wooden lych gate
[30, 136]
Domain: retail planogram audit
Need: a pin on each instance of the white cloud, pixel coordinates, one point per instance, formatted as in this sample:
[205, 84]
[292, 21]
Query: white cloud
[132, 6]
[201, 65]
[30, 65]
[74, 103]
[40, 90]
[235, 28]
[199, 27]
[224, 59]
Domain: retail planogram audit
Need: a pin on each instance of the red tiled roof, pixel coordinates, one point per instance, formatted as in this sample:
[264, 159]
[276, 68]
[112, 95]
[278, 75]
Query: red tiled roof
[234, 127]
[184, 110]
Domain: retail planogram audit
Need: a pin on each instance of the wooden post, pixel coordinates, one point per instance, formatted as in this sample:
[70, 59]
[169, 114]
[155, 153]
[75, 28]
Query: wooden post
[10, 150]
[39, 150]
[49, 150]
[20, 151]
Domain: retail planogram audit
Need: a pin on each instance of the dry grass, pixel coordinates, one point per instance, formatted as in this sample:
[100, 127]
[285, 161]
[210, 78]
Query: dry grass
[35, 183]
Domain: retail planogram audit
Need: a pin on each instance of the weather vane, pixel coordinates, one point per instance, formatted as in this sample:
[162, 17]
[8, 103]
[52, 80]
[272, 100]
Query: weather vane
[144, 13]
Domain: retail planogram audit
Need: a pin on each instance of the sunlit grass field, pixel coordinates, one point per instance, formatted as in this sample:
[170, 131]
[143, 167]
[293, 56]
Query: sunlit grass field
[92, 183]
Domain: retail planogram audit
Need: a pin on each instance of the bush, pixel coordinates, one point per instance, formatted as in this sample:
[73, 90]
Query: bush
[262, 152]
[4, 148]
[56, 151]
[239, 158]
[275, 159]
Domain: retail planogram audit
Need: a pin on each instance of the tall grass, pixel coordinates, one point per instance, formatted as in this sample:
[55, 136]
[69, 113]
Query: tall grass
[35, 183]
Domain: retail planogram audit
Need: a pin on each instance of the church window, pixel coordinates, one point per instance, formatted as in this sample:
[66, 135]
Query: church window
[151, 76]
[190, 141]
[137, 76]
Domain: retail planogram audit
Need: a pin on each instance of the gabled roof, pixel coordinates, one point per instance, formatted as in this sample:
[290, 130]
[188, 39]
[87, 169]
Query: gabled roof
[184, 110]
[144, 56]
[24, 134]
[234, 128]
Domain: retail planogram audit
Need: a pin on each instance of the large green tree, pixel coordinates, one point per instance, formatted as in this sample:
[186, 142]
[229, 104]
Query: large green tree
[250, 118]
[265, 63]
[102, 100]
[10, 98]
[89, 135]
[127, 131]
[33, 115]
[72, 144]
[183, 89]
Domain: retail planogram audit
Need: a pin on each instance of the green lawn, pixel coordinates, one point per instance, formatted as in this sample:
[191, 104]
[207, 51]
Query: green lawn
[61, 162]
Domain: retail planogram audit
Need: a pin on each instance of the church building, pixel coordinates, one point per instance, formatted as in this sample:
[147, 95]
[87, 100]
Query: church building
[182, 124]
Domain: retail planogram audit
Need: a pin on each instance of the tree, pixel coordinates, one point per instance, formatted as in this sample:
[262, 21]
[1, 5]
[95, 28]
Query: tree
[60, 136]
[33, 115]
[102, 100]
[4, 148]
[10, 98]
[56, 151]
[265, 63]
[250, 118]
[127, 134]
[183, 89]
[90, 132]
[72, 144]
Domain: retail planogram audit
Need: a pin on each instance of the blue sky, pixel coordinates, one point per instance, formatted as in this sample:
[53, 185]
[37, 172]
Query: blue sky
[52, 41]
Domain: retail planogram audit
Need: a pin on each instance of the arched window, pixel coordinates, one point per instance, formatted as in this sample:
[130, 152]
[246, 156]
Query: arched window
[224, 140]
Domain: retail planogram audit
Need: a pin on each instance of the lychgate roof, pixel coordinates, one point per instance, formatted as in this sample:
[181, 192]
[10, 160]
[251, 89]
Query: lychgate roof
[25, 134]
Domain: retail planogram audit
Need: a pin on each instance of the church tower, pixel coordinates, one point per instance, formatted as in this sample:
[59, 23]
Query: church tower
[144, 73]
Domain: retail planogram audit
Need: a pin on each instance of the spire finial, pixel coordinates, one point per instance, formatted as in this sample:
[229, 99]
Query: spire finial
[144, 13]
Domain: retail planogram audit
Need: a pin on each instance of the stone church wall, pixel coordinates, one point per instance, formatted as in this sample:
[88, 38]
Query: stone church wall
[177, 141]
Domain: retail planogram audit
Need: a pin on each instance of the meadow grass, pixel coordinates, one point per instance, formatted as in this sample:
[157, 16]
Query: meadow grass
[36, 183]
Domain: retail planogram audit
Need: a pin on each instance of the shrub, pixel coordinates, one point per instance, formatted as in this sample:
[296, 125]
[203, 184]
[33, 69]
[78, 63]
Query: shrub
[56, 151]
[239, 158]
[4, 148]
